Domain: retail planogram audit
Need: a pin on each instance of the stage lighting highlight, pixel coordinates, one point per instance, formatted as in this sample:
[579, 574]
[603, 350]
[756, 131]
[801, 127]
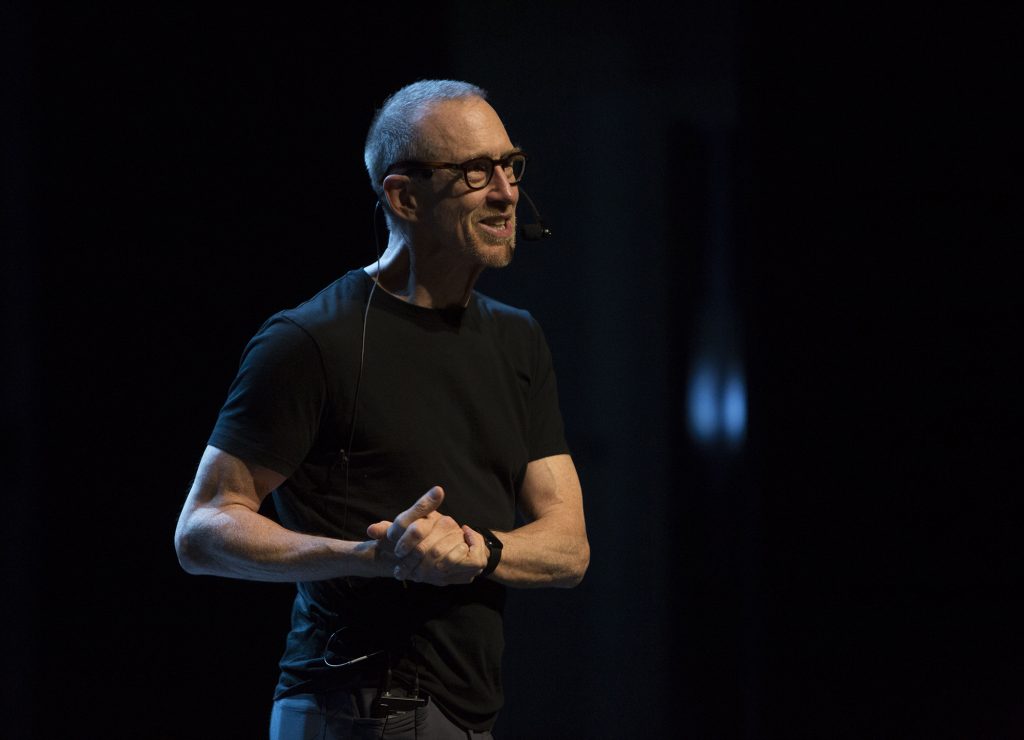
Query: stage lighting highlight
[717, 404]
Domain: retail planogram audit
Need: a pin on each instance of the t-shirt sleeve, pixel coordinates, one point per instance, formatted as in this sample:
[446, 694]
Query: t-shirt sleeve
[546, 430]
[276, 400]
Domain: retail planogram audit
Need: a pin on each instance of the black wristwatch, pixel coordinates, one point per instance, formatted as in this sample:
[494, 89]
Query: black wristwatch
[494, 545]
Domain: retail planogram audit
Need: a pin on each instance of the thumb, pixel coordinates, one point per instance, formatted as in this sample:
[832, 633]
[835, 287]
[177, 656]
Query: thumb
[425, 504]
[428, 502]
[378, 531]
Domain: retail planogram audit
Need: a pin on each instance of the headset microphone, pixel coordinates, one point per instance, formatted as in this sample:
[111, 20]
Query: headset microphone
[533, 232]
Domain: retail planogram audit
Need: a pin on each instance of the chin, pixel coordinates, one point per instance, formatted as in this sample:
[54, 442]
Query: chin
[494, 254]
[500, 259]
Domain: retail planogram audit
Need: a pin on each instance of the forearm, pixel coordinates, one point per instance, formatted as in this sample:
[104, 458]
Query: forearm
[552, 549]
[236, 542]
[547, 552]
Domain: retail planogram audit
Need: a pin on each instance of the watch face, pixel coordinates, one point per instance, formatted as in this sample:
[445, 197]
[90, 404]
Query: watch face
[491, 540]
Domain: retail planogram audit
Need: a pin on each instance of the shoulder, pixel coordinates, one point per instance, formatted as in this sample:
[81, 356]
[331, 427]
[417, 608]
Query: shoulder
[503, 316]
[515, 330]
[331, 312]
[311, 328]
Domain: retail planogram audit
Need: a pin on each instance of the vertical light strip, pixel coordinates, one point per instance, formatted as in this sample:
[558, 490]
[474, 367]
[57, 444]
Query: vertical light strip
[717, 403]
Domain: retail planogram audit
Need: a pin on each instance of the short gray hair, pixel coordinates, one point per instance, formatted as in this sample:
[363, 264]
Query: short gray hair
[393, 134]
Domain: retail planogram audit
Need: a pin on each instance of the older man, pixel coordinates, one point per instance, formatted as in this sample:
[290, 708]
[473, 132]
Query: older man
[400, 419]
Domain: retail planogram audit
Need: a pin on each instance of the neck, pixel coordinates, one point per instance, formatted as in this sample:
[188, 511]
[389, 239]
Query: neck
[424, 277]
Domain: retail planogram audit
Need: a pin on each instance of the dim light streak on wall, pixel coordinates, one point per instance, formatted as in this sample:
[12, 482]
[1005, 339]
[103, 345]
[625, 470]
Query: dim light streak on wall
[717, 403]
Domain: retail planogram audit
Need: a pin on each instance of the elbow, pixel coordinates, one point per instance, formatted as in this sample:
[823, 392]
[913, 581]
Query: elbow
[187, 545]
[578, 567]
[582, 563]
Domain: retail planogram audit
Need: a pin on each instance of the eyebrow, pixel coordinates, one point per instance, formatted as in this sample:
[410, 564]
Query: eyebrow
[513, 150]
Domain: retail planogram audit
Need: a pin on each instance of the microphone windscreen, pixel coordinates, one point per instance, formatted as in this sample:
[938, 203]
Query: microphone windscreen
[532, 232]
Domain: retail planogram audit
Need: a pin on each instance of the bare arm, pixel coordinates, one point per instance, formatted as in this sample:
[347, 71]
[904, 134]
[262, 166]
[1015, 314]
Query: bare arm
[221, 532]
[552, 548]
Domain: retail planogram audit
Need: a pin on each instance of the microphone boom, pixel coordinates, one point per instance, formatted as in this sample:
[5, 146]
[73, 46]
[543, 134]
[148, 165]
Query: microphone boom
[537, 231]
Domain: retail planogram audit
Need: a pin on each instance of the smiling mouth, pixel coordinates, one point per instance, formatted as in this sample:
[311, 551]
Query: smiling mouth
[498, 226]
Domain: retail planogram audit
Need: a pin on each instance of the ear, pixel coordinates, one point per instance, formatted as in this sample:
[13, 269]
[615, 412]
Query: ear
[398, 189]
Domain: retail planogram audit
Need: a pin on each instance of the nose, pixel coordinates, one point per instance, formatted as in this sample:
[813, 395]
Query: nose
[501, 189]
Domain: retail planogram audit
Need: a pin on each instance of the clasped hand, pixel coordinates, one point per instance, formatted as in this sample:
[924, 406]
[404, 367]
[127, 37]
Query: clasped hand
[428, 546]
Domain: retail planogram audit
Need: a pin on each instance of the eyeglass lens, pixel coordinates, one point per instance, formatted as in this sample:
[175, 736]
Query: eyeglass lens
[479, 171]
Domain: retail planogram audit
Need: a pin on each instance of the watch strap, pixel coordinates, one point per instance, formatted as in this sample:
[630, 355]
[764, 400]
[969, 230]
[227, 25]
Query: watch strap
[494, 548]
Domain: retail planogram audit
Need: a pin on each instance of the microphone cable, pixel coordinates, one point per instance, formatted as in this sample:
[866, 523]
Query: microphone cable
[345, 453]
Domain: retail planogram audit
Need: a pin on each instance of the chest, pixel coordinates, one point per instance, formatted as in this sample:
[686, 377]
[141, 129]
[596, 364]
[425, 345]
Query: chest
[434, 406]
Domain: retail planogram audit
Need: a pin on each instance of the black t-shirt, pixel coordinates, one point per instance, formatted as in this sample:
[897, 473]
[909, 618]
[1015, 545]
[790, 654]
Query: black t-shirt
[463, 399]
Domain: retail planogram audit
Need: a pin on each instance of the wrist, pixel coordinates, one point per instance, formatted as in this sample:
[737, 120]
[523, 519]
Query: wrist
[494, 548]
[372, 560]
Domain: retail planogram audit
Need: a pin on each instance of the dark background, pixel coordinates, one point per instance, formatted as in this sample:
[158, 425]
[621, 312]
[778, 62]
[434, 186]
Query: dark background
[829, 200]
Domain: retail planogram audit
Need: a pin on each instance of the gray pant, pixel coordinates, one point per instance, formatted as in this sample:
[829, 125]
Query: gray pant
[341, 715]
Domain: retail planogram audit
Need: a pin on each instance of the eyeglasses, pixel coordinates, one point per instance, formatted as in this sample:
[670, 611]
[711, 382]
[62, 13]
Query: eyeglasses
[477, 172]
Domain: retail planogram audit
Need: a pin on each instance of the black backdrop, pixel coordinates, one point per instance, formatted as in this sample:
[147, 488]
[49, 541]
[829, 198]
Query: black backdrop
[830, 199]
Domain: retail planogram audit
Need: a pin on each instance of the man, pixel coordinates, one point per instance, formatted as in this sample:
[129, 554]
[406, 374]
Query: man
[400, 419]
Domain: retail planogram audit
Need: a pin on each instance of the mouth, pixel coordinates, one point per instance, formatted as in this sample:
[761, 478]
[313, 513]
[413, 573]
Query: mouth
[499, 227]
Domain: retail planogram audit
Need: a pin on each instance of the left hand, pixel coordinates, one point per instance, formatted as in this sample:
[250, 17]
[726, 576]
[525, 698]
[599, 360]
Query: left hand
[431, 547]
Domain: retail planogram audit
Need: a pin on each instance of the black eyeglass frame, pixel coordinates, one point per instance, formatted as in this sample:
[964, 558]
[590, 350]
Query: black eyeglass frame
[465, 167]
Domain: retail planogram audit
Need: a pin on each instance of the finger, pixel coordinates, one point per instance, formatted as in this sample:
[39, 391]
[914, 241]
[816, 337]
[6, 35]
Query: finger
[473, 538]
[446, 553]
[445, 537]
[436, 566]
[453, 557]
[478, 550]
[379, 530]
[416, 537]
[425, 504]
[464, 570]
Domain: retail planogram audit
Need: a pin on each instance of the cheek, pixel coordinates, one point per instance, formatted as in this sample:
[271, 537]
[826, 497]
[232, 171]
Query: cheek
[465, 218]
